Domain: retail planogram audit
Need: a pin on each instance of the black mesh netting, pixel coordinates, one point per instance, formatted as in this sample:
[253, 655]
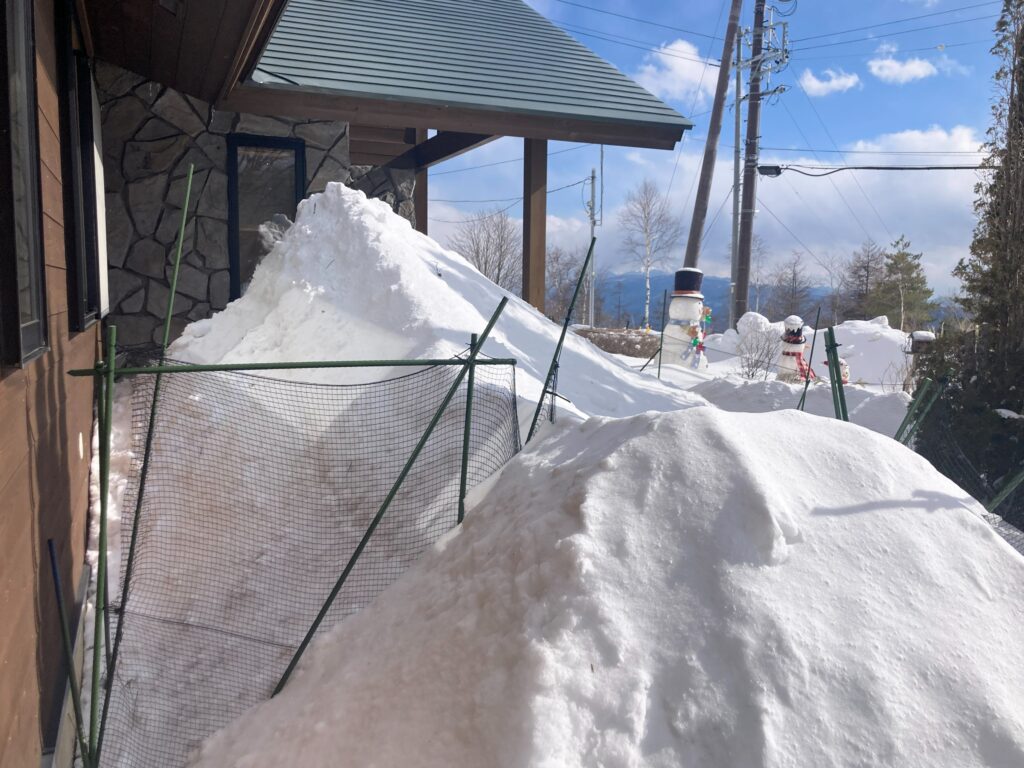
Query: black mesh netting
[257, 493]
[939, 442]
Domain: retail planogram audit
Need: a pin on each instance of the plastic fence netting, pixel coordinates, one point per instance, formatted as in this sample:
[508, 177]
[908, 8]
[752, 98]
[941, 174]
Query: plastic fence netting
[257, 492]
[939, 442]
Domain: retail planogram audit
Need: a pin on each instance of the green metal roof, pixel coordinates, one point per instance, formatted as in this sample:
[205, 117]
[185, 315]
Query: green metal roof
[489, 55]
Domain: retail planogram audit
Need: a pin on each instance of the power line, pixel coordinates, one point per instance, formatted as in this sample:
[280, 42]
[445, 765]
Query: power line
[790, 231]
[896, 21]
[856, 181]
[631, 43]
[830, 169]
[940, 47]
[714, 219]
[693, 106]
[876, 151]
[492, 214]
[842, 197]
[894, 34]
[510, 160]
[637, 19]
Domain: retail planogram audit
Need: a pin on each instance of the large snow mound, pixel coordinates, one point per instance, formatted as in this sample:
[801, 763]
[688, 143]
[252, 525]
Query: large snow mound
[351, 280]
[882, 412]
[678, 590]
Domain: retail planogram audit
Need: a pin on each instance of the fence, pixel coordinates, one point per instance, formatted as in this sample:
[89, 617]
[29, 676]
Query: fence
[257, 492]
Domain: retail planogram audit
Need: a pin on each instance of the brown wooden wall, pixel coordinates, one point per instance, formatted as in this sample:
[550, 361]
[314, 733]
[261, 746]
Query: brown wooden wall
[45, 438]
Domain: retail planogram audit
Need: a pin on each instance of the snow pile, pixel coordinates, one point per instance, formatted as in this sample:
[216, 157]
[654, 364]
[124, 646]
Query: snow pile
[351, 280]
[672, 590]
[877, 354]
[880, 411]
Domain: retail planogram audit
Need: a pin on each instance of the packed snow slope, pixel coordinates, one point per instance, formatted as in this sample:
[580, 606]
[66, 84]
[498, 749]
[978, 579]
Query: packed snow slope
[678, 589]
[882, 412]
[351, 280]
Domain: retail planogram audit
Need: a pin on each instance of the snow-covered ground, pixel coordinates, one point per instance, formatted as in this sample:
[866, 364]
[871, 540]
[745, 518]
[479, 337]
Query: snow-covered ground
[649, 583]
[674, 590]
[876, 353]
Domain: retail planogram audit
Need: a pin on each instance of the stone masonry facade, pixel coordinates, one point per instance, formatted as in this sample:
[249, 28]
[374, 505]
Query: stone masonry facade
[151, 133]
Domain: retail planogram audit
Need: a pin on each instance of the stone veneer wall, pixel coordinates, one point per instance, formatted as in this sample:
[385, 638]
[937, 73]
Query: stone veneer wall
[151, 133]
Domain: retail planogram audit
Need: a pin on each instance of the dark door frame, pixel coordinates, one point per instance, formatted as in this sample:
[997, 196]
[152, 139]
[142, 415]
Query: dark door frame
[236, 140]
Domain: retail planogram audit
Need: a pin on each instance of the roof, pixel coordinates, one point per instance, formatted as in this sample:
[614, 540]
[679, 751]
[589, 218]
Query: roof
[496, 59]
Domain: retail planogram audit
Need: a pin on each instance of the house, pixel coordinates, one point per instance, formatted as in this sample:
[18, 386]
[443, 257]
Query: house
[108, 104]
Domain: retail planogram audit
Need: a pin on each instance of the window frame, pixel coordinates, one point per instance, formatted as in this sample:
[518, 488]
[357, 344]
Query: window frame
[81, 224]
[20, 342]
[236, 140]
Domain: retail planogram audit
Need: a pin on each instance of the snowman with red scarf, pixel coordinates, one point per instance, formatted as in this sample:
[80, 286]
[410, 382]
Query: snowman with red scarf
[792, 365]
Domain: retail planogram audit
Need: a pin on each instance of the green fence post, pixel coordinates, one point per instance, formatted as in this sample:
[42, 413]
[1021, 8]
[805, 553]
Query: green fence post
[100, 607]
[387, 501]
[912, 409]
[69, 655]
[807, 378]
[1008, 489]
[561, 341]
[466, 431]
[98, 742]
[921, 415]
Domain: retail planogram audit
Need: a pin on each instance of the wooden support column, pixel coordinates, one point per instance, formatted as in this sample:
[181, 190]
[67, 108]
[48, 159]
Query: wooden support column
[535, 214]
[419, 195]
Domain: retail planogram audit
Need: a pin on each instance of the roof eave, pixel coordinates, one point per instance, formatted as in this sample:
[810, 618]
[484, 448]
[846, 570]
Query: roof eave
[331, 104]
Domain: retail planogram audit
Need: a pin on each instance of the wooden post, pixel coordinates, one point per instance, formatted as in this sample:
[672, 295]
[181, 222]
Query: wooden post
[419, 195]
[535, 203]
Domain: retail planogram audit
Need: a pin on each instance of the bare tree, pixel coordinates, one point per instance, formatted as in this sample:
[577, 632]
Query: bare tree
[492, 243]
[651, 230]
[790, 289]
[836, 269]
[758, 352]
[562, 271]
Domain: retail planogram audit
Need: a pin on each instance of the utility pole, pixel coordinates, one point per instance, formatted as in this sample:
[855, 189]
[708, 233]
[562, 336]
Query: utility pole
[592, 210]
[736, 184]
[707, 169]
[749, 199]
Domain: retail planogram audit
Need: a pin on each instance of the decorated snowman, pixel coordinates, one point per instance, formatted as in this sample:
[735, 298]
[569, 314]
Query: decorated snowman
[792, 365]
[684, 336]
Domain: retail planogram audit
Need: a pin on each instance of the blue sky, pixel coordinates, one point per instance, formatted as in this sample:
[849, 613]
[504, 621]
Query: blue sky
[865, 97]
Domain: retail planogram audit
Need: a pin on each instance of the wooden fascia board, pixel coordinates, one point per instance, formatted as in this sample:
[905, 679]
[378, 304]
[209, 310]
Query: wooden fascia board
[264, 17]
[444, 146]
[309, 103]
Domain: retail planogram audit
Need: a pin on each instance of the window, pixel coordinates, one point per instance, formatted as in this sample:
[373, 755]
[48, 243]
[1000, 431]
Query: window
[266, 176]
[22, 306]
[84, 229]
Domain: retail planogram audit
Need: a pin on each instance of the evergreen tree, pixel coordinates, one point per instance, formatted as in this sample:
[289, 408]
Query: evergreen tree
[993, 275]
[902, 293]
[982, 366]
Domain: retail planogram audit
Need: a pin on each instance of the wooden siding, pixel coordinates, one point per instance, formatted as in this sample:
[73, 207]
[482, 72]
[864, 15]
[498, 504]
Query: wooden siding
[46, 419]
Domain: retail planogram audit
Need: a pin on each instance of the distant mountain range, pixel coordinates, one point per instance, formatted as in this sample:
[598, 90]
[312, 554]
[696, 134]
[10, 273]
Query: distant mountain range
[623, 298]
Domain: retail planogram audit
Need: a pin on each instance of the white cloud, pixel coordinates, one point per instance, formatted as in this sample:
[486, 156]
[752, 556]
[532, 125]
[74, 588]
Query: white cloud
[833, 82]
[891, 70]
[678, 71]
[951, 66]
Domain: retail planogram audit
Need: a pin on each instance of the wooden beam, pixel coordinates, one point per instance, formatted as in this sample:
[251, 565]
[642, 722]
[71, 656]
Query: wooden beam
[419, 194]
[262, 20]
[291, 101]
[535, 215]
[443, 146]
